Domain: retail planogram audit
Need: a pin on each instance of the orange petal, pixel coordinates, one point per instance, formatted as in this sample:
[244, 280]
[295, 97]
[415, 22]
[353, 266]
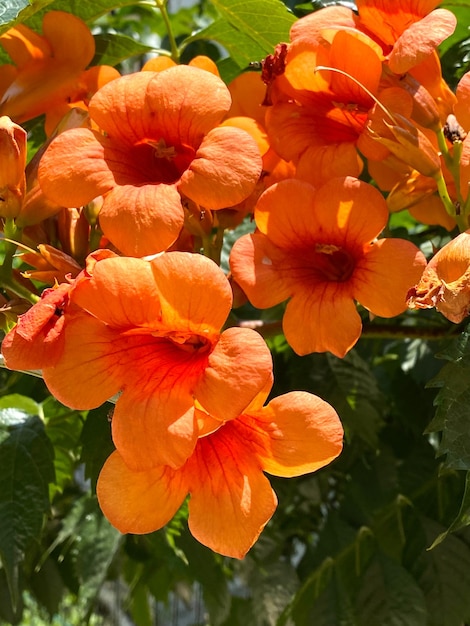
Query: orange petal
[251, 262]
[247, 91]
[322, 318]
[194, 293]
[155, 426]
[238, 368]
[87, 373]
[139, 502]
[385, 274]
[172, 104]
[357, 56]
[225, 170]
[142, 220]
[158, 64]
[317, 165]
[310, 26]
[421, 39]
[70, 38]
[73, 170]
[231, 499]
[350, 211]
[300, 433]
[462, 108]
[116, 300]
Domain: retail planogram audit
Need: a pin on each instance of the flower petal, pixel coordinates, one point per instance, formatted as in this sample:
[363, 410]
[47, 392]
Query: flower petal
[139, 502]
[114, 299]
[252, 265]
[299, 432]
[154, 426]
[87, 373]
[194, 293]
[225, 170]
[142, 220]
[322, 319]
[385, 274]
[421, 39]
[172, 104]
[73, 170]
[238, 368]
[231, 499]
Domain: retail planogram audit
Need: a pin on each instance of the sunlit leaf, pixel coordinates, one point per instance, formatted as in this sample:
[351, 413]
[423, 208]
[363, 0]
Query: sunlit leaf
[248, 29]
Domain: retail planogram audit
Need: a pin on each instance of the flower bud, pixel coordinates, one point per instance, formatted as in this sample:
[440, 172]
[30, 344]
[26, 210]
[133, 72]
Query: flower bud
[13, 162]
[410, 145]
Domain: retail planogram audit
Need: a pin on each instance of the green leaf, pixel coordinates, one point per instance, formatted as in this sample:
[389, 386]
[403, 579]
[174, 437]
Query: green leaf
[26, 469]
[273, 587]
[12, 11]
[442, 573]
[463, 517]
[15, 409]
[94, 545]
[248, 29]
[96, 441]
[87, 10]
[112, 49]
[453, 404]
[63, 427]
[389, 596]
[357, 397]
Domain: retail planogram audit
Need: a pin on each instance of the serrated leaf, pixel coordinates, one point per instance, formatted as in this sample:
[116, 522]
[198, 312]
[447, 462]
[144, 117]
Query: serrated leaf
[357, 397]
[113, 48]
[389, 596]
[248, 29]
[463, 517]
[453, 404]
[95, 543]
[26, 469]
[442, 574]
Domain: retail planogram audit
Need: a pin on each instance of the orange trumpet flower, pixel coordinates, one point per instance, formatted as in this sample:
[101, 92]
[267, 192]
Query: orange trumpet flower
[322, 257]
[445, 283]
[159, 142]
[151, 332]
[231, 499]
[49, 74]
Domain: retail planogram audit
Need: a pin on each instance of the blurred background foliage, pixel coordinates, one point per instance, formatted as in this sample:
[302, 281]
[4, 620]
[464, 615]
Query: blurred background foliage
[348, 545]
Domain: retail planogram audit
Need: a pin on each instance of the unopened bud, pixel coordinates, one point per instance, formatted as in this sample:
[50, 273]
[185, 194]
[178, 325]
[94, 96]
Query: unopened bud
[410, 145]
[12, 165]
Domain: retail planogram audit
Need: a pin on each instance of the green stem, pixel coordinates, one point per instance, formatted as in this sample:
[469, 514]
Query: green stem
[450, 207]
[212, 245]
[162, 4]
[7, 281]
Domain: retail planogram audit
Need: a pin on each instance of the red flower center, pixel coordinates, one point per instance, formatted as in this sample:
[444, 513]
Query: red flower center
[332, 263]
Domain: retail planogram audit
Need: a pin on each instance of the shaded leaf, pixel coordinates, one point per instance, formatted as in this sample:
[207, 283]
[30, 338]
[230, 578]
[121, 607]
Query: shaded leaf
[389, 596]
[26, 469]
[453, 404]
[113, 48]
[463, 518]
[94, 545]
[96, 441]
[442, 573]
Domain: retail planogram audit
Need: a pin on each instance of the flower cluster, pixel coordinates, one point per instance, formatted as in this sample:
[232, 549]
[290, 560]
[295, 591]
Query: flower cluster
[142, 172]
